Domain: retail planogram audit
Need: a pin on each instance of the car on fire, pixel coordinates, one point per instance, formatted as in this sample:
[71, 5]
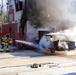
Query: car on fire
[62, 41]
[51, 42]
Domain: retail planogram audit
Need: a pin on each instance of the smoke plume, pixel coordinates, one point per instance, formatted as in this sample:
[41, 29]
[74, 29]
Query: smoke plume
[61, 14]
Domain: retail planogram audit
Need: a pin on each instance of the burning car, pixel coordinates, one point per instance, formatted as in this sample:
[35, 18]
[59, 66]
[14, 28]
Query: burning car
[62, 41]
[51, 42]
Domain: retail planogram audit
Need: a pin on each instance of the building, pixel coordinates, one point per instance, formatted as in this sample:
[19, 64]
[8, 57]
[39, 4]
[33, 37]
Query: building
[13, 26]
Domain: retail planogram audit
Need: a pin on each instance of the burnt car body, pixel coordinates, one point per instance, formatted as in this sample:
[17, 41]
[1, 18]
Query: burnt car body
[56, 41]
[62, 41]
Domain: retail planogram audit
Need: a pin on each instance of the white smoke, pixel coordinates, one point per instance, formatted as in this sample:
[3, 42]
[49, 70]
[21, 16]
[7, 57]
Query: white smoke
[71, 31]
[31, 33]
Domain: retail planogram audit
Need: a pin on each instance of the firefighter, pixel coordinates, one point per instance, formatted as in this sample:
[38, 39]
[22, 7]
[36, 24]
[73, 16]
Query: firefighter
[5, 42]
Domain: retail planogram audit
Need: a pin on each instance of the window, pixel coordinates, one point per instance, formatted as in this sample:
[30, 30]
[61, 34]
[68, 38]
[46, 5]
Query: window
[18, 5]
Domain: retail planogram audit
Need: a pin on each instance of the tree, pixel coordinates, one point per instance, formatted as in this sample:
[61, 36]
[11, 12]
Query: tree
[1, 20]
[3, 13]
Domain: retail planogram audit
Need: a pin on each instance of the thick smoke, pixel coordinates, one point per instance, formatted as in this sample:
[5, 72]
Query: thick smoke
[61, 14]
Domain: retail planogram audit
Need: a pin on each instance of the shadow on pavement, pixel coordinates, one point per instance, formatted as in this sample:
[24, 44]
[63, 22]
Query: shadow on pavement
[15, 51]
[10, 47]
[30, 53]
[70, 74]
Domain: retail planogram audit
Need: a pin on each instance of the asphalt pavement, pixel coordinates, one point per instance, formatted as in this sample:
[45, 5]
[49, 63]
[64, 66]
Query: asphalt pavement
[10, 47]
[29, 62]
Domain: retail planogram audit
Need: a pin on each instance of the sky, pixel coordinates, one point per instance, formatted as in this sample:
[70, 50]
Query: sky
[4, 3]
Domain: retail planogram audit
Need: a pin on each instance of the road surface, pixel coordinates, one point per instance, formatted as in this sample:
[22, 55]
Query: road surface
[20, 62]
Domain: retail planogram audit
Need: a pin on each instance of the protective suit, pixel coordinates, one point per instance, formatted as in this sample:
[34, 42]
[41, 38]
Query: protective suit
[4, 42]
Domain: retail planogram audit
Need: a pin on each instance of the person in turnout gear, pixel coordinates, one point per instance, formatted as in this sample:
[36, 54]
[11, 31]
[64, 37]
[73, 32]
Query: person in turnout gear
[5, 42]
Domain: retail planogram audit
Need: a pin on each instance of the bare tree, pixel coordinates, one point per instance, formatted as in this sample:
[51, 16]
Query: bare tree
[3, 13]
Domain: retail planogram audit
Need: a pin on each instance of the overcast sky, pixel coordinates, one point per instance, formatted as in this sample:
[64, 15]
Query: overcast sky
[4, 3]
